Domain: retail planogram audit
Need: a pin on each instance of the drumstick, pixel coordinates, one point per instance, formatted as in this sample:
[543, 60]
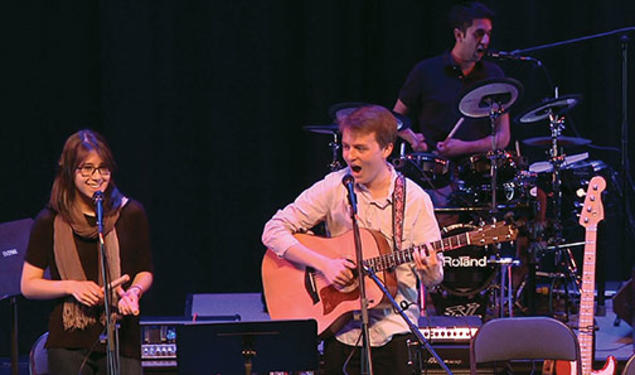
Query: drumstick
[115, 283]
[455, 128]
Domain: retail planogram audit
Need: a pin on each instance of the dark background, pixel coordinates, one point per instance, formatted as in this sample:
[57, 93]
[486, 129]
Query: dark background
[203, 103]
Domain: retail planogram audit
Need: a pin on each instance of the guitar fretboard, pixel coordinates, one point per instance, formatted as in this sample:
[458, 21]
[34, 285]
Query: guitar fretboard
[391, 260]
[585, 324]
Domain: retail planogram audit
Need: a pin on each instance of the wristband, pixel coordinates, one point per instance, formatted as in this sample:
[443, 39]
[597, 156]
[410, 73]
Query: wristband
[138, 287]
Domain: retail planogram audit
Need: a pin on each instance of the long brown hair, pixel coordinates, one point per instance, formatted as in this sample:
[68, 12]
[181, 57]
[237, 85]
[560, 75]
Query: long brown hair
[75, 150]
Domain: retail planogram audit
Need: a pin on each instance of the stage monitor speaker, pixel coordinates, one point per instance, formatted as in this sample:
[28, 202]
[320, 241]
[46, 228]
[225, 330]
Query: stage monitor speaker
[245, 307]
[246, 347]
[623, 303]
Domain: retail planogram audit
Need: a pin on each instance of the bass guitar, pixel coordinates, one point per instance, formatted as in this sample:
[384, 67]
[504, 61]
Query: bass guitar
[592, 213]
[293, 291]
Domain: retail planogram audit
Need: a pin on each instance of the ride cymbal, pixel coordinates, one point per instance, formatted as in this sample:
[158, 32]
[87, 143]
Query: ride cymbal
[558, 106]
[497, 94]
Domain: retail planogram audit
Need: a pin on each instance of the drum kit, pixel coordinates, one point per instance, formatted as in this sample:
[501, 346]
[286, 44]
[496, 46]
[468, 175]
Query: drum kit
[541, 197]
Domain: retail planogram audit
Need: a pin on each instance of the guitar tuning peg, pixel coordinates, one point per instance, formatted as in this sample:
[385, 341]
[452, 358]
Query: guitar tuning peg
[578, 204]
[580, 193]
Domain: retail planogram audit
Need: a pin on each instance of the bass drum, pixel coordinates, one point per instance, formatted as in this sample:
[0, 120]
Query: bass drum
[467, 271]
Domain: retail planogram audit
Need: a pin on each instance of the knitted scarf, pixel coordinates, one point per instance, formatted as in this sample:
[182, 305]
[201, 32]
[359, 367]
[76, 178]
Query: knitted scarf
[74, 314]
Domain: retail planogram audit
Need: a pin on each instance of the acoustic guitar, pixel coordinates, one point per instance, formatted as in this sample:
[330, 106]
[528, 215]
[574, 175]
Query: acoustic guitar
[592, 213]
[293, 291]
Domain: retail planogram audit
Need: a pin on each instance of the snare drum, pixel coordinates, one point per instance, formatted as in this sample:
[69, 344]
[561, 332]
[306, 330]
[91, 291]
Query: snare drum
[429, 170]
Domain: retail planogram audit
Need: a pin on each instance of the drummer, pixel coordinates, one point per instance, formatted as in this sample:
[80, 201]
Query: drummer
[432, 89]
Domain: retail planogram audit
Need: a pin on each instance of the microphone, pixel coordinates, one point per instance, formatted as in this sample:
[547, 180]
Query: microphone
[503, 55]
[349, 182]
[98, 199]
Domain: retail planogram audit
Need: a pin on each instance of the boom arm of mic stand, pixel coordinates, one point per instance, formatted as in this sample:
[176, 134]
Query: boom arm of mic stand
[413, 327]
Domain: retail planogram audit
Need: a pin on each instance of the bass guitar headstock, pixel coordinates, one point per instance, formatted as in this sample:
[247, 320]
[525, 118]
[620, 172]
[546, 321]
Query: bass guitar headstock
[593, 211]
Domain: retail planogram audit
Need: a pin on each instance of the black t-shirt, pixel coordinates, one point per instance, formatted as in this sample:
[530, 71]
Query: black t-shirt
[432, 92]
[135, 256]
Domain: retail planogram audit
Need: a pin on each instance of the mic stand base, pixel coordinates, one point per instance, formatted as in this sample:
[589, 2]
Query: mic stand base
[413, 327]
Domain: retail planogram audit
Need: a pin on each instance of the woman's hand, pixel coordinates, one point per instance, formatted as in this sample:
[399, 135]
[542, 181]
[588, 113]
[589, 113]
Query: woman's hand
[86, 292]
[129, 300]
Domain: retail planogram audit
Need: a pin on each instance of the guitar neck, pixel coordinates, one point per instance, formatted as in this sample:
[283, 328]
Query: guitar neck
[585, 324]
[391, 260]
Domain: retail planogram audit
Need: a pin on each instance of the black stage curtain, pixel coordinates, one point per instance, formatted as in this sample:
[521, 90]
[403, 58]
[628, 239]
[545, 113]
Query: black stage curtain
[203, 103]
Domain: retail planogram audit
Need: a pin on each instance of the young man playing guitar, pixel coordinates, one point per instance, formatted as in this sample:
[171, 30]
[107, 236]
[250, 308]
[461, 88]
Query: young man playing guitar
[368, 136]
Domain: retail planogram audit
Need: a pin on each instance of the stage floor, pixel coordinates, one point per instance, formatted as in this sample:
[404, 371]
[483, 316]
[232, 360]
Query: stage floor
[611, 339]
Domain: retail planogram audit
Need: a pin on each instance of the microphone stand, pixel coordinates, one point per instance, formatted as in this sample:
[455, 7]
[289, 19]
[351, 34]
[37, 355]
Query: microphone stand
[413, 327]
[366, 361]
[112, 342]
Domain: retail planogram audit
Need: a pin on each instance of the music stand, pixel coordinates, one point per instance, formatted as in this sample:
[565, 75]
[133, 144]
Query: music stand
[234, 348]
[14, 238]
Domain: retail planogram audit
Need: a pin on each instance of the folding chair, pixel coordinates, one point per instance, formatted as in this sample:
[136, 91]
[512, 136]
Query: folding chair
[629, 369]
[524, 338]
[38, 357]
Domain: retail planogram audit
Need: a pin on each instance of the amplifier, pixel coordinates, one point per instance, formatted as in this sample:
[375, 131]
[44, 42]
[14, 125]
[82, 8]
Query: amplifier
[159, 334]
[449, 329]
[448, 334]
[159, 341]
[456, 357]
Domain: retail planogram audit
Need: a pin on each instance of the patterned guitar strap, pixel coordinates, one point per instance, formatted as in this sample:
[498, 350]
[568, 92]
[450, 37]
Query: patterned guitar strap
[398, 212]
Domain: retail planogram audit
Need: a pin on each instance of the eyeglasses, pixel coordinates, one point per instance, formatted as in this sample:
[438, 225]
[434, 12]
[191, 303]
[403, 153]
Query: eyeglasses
[88, 170]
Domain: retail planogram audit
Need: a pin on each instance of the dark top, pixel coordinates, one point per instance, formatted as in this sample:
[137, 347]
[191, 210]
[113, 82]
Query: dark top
[134, 247]
[432, 92]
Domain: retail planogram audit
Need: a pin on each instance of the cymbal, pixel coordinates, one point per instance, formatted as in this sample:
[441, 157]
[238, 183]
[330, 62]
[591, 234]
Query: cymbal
[558, 106]
[339, 110]
[498, 93]
[322, 129]
[562, 141]
[545, 166]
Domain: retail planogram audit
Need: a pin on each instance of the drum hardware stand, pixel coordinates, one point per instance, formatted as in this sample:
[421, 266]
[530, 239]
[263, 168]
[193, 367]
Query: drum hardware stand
[334, 145]
[563, 257]
[624, 38]
[505, 296]
[491, 98]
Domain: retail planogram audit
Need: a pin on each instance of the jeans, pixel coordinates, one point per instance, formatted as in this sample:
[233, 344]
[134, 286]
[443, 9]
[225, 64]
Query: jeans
[390, 359]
